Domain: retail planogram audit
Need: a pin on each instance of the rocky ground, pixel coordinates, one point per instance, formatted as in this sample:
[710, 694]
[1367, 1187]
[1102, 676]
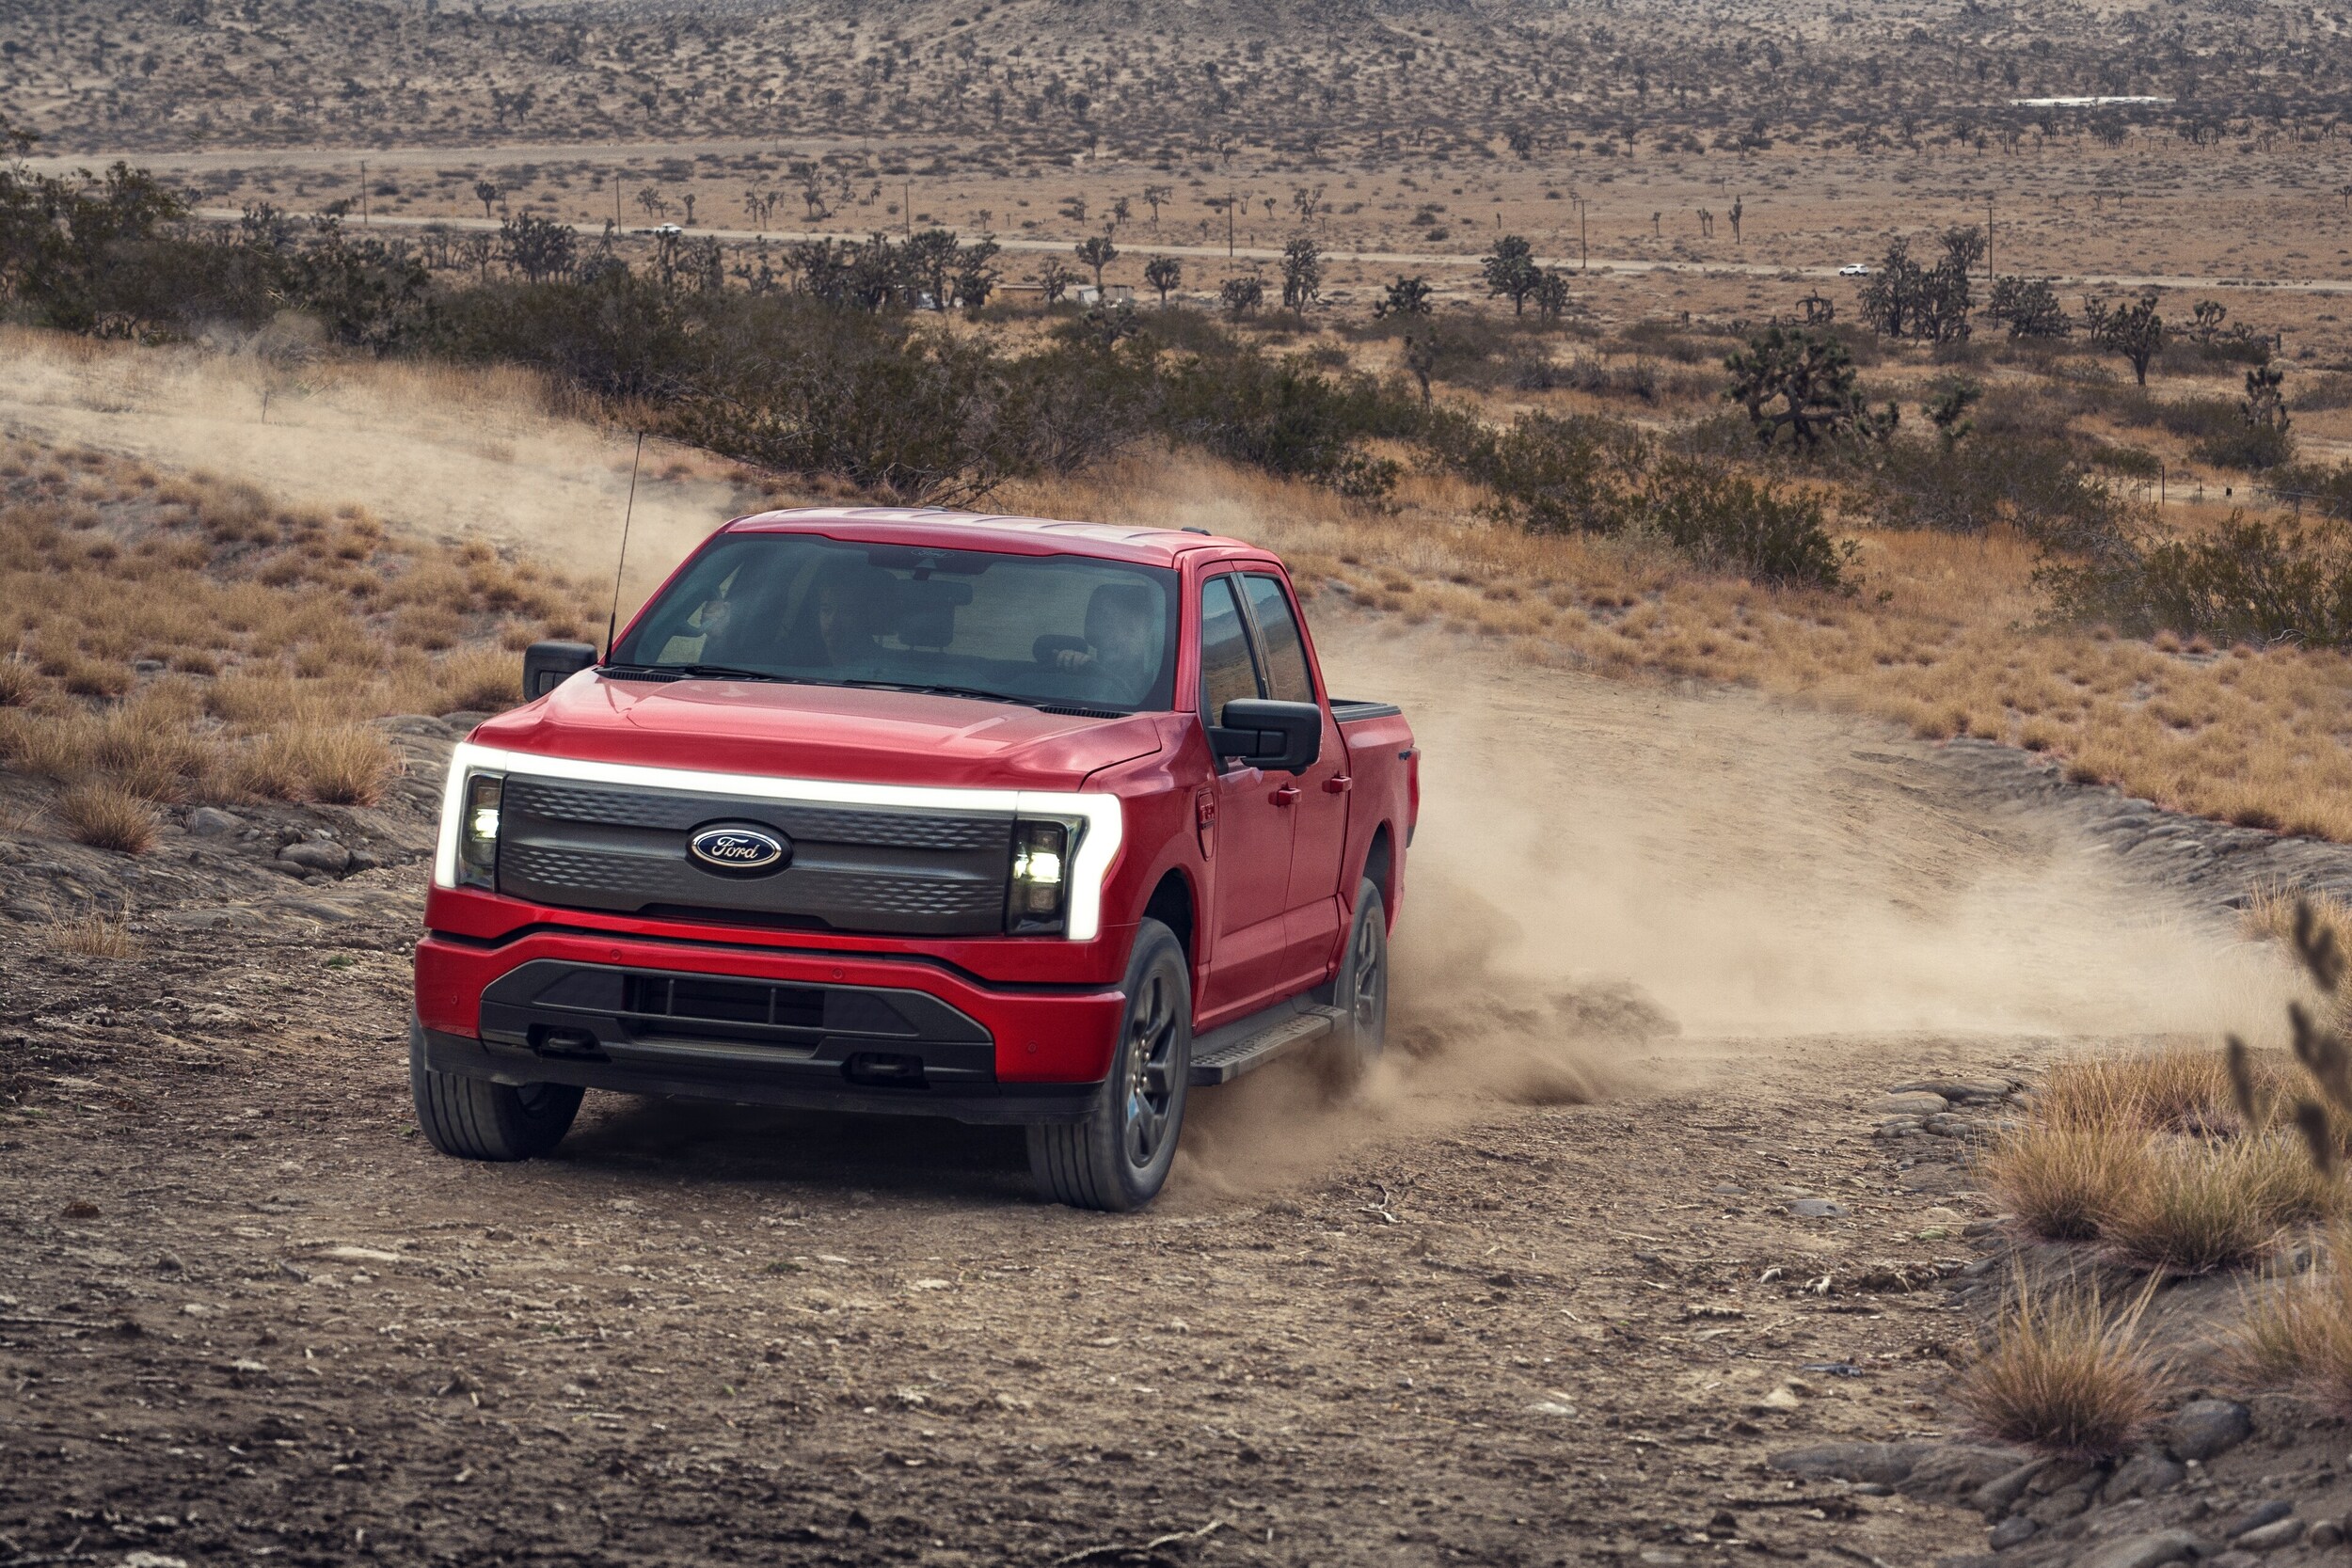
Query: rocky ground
[1666, 1298]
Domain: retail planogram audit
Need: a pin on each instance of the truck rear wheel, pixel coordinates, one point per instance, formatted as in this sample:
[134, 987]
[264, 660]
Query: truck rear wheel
[473, 1119]
[1360, 990]
[1119, 1157]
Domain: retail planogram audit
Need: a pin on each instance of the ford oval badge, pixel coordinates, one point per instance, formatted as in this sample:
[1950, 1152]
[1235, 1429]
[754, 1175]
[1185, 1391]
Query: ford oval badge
[729, 846]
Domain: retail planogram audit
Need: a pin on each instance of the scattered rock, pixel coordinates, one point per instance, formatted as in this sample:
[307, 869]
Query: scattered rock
[2204, 1428]
[2012, 1531]
[211, 821]
[2151, 1550]
[2147, 1474]
[1995, 1497]
[2259, 1515]
[1949, 1125]
[1953, 1470]
[2325, 1534]
[1815, 1209]
[318, 854]
[1898, 1127]
[1917, 1104]
[1884, 1463]
[2286, 1532]
[1960, 1091]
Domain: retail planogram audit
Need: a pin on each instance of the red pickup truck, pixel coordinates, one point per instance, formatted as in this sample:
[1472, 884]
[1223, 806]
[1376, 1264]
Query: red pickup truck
[997, 819]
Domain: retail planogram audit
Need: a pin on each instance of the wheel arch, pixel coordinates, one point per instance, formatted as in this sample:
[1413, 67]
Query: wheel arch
[1174, 905]
[1380, 868]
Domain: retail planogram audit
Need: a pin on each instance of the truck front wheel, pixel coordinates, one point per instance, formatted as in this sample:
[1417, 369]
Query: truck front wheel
[473, 1119]
[1118, 1158]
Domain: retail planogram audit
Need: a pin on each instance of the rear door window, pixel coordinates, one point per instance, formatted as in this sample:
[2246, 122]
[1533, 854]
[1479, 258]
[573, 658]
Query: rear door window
[1287, 680]
[1227, 670]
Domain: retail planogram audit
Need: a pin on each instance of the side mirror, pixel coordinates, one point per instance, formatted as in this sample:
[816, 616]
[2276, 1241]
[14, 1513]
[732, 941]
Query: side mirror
[1281, 738]
[548, 665]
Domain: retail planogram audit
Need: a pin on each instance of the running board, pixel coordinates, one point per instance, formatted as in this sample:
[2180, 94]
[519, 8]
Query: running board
[1224, 1054]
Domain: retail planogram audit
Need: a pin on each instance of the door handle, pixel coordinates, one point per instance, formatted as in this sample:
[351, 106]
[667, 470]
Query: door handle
[1287, 795]
[1338, 784]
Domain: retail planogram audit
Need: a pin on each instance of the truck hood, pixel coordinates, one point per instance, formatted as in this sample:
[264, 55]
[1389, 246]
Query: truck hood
[843, 733]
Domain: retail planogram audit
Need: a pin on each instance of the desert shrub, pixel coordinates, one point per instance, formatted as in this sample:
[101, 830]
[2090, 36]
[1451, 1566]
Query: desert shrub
[1549, 474]
[2328, 390]
[478, 680]
[92, 935]
[1728, 521]
[2164, 1091]
[2198, 1205]
[107, 816]
[2325, 487]
[2247, 445]
[1287, 418]
[2065, 1374]
[2298, 1334]
[339, 764]
[2033, 483]
[2258, 579]
[2065, 1181]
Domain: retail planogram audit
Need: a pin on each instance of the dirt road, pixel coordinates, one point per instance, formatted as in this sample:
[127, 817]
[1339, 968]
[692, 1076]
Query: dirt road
[1609, 1232]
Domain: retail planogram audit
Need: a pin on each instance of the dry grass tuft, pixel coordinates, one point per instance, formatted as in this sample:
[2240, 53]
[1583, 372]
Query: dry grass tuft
[94, 936]
[340, 763]
[2065, 1375]
[2196, 1207]
[108, 816]
[2065, 1181]
[2300, 1334]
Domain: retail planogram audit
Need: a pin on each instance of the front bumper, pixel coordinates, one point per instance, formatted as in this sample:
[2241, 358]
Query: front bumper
[760, 1024]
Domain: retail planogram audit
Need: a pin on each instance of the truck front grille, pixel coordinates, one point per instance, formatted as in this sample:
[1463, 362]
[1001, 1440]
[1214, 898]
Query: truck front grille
[873, 869]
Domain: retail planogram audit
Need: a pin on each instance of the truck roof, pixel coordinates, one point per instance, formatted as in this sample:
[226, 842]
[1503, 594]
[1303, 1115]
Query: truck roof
[938, 528]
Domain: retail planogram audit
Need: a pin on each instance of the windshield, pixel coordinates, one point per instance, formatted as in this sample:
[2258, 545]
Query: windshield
[1057, 629]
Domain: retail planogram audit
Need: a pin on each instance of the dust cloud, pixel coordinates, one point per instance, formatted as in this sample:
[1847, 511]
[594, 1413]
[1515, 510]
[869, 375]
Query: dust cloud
[1614, 884]
[442, 451]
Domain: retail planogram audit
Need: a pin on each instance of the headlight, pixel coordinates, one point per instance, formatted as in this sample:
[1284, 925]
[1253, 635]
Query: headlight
[478, 831]
[1039, 897]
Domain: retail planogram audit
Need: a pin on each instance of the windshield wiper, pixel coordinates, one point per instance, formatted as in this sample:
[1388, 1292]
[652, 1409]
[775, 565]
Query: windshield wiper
[697, 671]
[935, 689]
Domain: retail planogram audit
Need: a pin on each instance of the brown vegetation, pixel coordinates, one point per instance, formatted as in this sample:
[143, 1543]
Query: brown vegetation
[181, 639]
[2065, 1372]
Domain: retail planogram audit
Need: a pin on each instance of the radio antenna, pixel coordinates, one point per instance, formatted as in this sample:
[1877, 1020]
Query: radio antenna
[612, 622]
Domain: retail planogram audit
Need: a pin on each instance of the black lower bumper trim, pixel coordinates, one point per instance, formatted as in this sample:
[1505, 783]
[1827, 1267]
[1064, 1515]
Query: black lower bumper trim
[802, 1085]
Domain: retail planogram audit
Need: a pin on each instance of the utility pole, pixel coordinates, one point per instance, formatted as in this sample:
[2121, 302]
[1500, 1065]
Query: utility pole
[1989, 274]
[363, 193]
[1228, 223]
[616, 200]
[1583, 256]
[906, 203]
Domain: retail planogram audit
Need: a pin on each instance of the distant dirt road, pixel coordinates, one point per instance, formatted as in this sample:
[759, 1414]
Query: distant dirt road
[1405, 258]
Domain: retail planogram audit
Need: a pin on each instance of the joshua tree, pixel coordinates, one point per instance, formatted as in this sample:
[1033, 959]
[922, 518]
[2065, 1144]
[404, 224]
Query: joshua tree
[688, 199]
[485, 193]
[1406, 297]
[1946, 408]
[1734, 214]
[2135, 331]
[1302, 272]
[1552, 294]
[1054, 280]
[1803, 383]
[2266, 405]
[1241, 296]
[2029, 305]
[1164, 273]
[1510, 270]
[1153, 197]
[1097, 252]
[537, 247]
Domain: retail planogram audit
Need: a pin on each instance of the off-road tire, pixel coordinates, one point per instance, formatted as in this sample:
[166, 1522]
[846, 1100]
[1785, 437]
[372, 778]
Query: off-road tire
[1118, 1158]
[1361, 992]
[473, 1119]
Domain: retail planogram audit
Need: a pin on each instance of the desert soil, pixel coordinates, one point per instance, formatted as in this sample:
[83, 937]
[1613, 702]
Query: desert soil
[1550, 1291]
